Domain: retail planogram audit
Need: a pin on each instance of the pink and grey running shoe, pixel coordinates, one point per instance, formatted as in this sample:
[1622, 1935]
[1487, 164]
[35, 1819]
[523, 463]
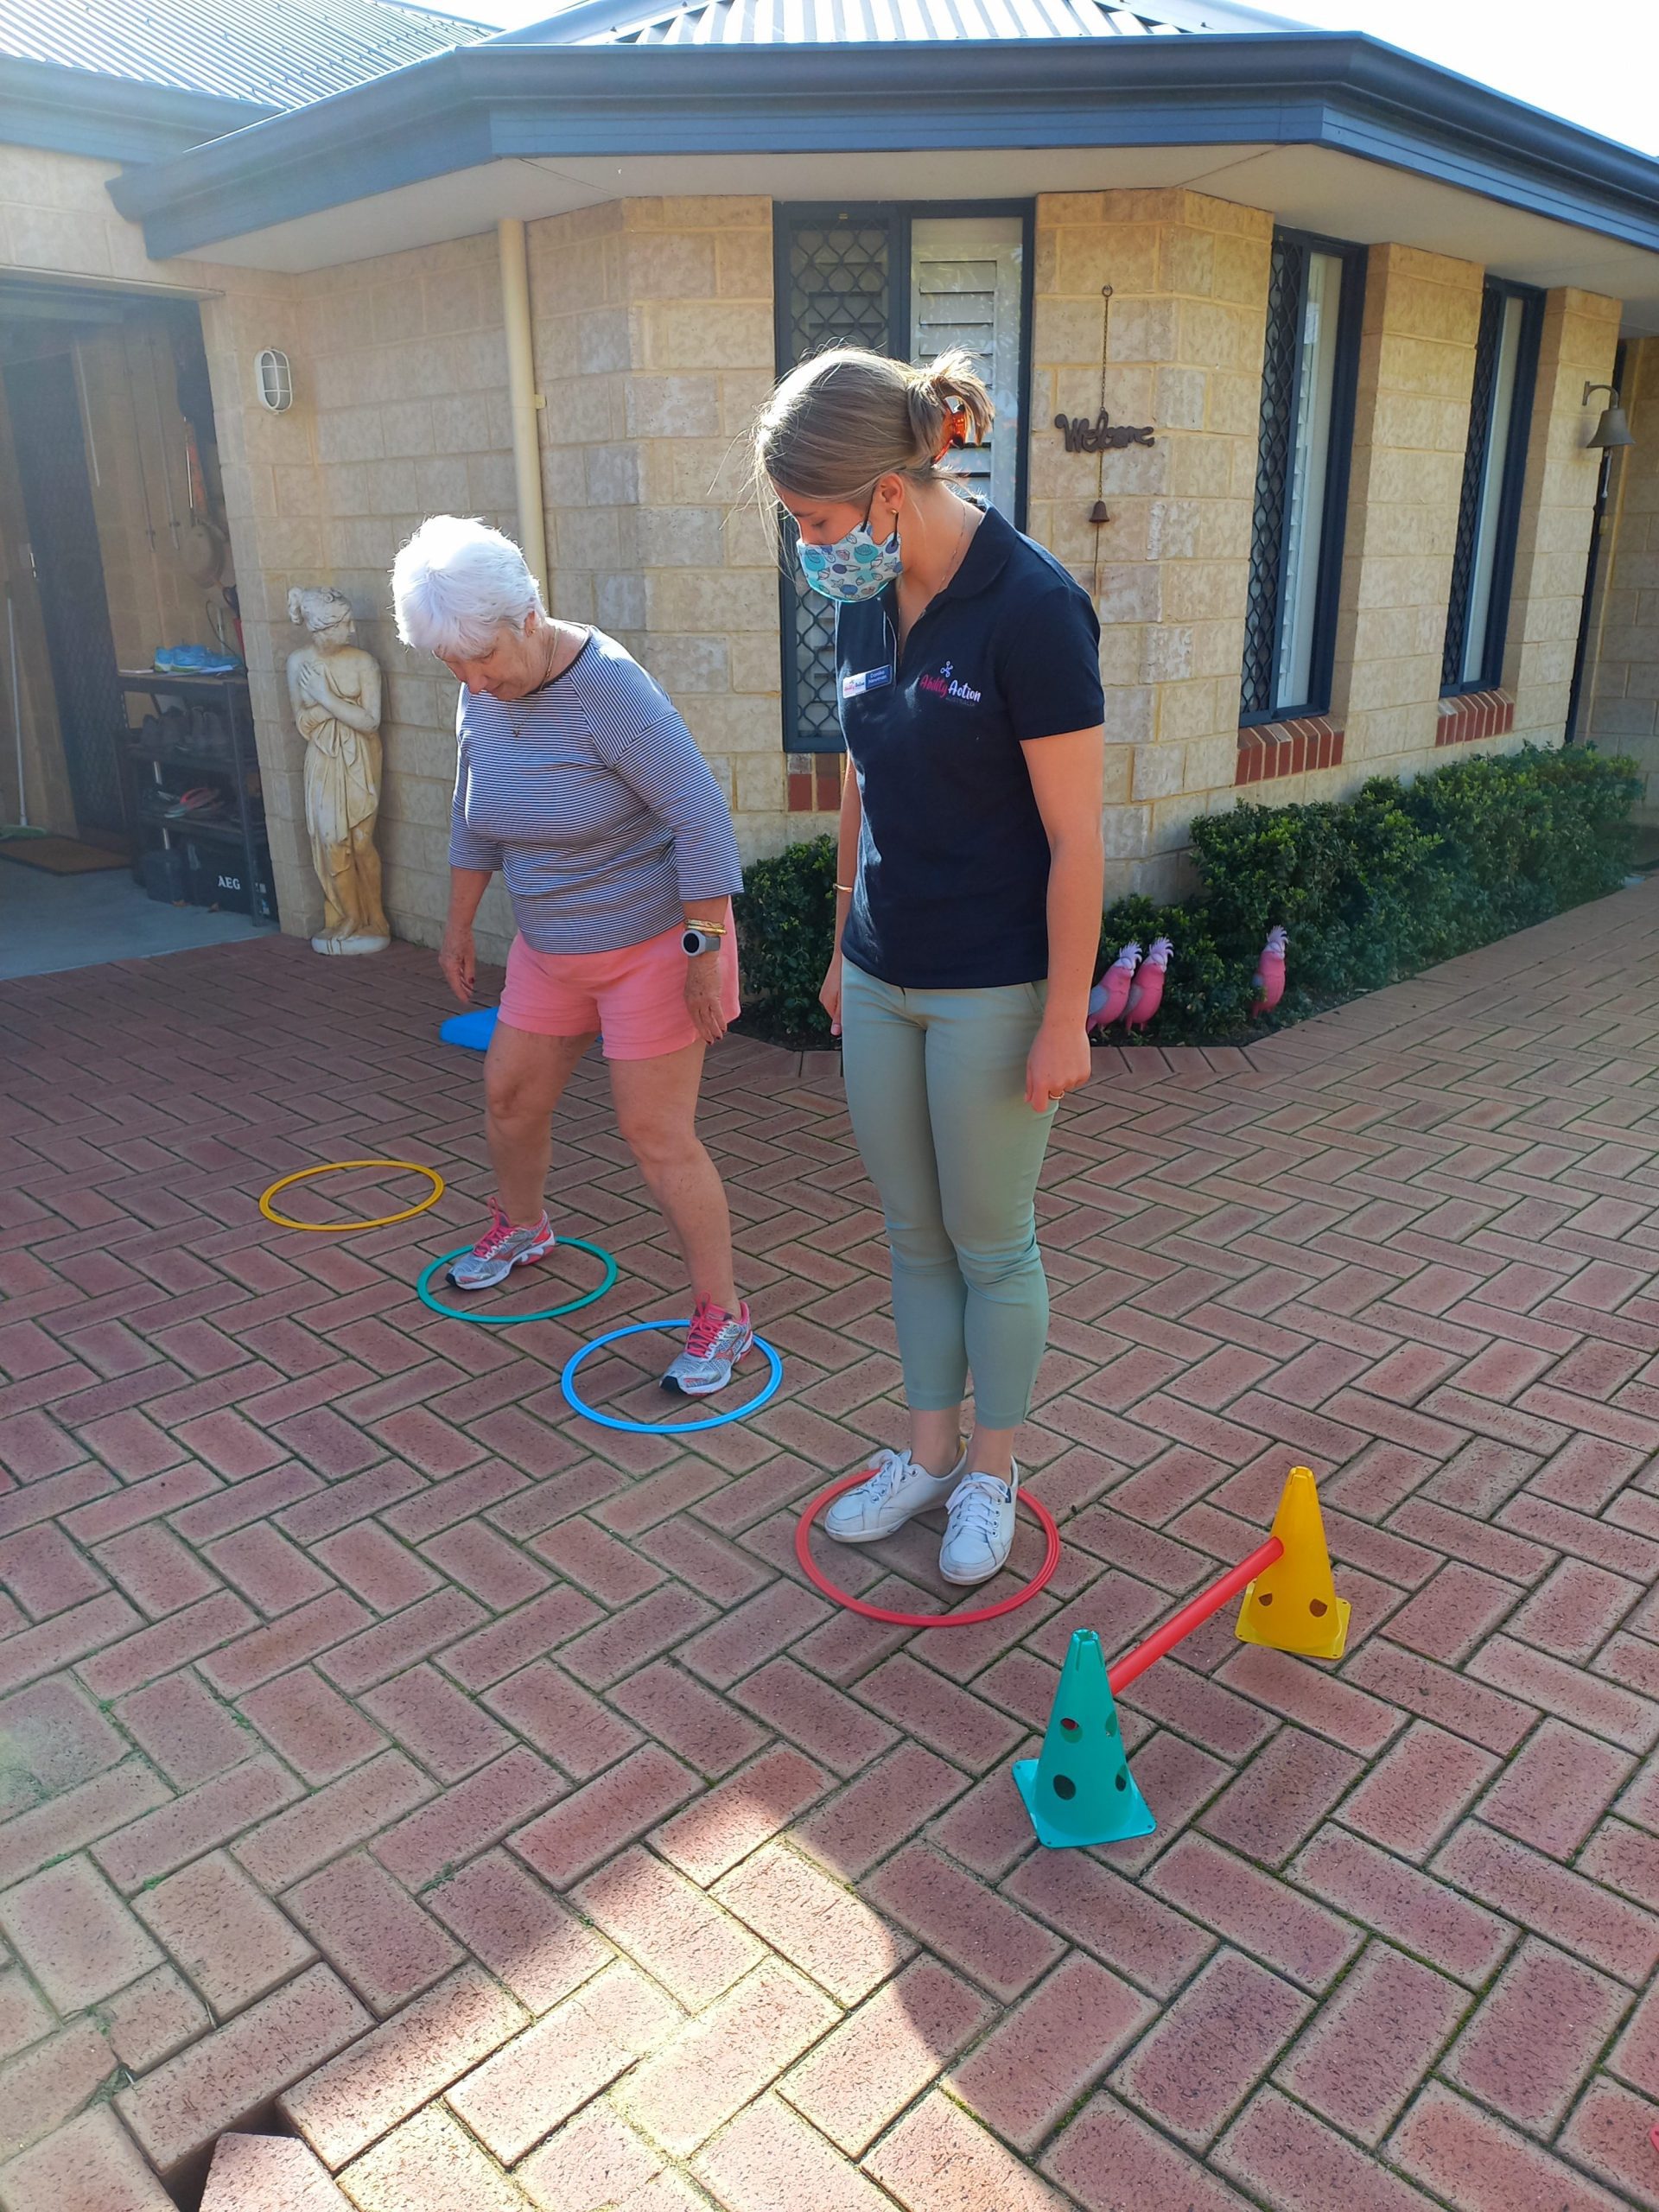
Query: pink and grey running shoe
[501, 1250]
[714, 1343]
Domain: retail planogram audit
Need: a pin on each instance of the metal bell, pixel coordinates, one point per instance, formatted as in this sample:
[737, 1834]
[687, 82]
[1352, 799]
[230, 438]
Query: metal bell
[1613, 429]
[1097, 514]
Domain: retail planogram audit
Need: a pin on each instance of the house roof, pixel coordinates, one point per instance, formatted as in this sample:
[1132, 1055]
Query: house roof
[136, 81]
[270, 55]
[804, 23]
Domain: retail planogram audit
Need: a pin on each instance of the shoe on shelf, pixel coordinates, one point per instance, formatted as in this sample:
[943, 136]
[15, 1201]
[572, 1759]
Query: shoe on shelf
[979, 1535]
[202, 802]
[896, 1493]
[714, 1343]
[501, 1250]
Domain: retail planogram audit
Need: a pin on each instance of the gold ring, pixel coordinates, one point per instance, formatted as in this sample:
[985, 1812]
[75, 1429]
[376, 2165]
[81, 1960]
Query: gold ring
[345, 1227]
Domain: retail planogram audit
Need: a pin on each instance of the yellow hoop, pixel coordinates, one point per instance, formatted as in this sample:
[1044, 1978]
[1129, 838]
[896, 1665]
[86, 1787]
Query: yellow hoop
[345, 1227]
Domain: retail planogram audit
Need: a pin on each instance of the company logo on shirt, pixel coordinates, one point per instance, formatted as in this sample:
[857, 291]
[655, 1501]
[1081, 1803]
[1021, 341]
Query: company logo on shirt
[945, 685]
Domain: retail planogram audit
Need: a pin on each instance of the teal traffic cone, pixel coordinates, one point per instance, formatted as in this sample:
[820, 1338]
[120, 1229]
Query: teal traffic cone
[1081, 1792]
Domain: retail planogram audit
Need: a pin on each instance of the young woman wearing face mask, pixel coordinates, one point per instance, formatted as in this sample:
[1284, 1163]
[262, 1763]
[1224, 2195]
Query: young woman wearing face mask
[968, 895]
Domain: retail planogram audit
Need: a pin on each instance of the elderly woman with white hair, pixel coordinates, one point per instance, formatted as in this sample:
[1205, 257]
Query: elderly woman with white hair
[578, 780]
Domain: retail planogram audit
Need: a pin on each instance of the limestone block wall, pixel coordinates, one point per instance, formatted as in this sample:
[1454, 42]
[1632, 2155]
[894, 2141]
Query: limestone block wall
[1620, 710]
[653, 334]
[273, 502]
[1170, 570]
[404, 362]
[1581, 336]
[1411, 432]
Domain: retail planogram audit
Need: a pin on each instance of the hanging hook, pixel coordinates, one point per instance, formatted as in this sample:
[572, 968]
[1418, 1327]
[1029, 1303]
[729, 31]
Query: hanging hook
[1098, 515]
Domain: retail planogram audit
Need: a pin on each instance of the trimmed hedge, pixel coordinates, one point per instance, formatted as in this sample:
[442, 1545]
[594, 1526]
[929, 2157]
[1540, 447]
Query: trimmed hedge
[1372, 889]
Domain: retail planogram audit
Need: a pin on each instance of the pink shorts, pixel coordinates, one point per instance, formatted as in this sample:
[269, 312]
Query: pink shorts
[635, 997]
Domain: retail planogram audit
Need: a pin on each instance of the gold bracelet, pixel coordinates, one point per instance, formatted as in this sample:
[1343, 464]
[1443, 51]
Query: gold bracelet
[708, 928]
[847, 887]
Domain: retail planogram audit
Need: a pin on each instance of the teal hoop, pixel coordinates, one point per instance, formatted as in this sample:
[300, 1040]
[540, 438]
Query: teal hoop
[513, 1320]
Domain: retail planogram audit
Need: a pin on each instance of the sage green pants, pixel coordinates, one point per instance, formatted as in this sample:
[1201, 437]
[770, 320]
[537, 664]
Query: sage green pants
[936, 1085]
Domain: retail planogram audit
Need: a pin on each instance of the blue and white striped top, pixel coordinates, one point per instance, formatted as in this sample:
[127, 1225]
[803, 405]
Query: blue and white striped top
[601, 814]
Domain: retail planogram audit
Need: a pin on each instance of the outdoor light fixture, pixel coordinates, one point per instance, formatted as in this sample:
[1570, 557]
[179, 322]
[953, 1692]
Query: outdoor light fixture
[1612, 429]
[276, 382]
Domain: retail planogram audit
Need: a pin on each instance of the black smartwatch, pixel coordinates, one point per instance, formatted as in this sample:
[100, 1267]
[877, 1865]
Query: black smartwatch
[697, 940]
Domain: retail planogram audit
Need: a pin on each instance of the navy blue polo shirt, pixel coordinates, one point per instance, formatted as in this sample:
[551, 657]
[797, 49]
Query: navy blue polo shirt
[952, 885]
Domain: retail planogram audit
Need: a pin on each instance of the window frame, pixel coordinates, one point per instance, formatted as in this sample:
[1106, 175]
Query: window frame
[1338, 471]
[1511, 486]
[900, 216]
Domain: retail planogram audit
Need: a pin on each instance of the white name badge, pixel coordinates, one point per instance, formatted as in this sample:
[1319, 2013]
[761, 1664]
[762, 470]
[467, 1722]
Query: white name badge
[872, 679]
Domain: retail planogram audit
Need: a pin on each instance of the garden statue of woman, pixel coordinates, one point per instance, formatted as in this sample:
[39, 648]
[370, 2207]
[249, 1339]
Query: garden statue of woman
[334, 687]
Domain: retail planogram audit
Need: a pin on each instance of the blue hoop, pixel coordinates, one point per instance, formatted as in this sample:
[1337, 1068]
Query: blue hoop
[567, 1383]
[511, 1320]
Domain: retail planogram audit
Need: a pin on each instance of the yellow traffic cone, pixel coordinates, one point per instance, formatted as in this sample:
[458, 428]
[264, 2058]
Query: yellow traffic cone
[1292, 1605]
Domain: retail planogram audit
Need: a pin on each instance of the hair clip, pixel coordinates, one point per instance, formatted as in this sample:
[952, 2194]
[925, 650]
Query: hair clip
[956, 430]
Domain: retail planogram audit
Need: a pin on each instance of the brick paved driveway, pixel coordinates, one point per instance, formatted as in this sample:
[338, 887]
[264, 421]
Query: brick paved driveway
[387, 1754]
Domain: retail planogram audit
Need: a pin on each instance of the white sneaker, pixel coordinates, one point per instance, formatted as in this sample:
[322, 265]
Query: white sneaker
[895, 1493]
[979, 1535]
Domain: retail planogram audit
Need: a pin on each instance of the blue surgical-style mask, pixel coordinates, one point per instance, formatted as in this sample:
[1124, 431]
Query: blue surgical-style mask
[855, 568]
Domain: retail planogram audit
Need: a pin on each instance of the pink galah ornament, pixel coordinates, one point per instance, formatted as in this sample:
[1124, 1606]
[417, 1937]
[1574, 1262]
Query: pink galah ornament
[1111, 993]
[1146, 991]
[1269, 978]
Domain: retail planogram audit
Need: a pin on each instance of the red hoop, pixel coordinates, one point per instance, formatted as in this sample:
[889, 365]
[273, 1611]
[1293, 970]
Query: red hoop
[1040, 1580]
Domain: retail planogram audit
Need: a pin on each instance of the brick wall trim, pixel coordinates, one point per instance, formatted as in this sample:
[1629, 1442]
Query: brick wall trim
[1472, 715]
[1269, 750]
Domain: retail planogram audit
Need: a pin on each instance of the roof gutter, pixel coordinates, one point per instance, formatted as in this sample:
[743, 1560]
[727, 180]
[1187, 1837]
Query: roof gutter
[111, 118]
[499, 100]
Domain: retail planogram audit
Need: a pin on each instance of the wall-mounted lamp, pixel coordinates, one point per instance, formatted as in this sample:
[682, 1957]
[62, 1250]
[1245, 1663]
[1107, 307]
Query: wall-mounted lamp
[276, 381]
[1612, 429]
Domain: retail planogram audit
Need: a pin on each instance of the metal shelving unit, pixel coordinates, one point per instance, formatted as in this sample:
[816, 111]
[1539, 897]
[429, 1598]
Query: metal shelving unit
[147, 759]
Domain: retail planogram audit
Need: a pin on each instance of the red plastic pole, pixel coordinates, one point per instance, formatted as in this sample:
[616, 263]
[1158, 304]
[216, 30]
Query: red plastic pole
[1192, 1615]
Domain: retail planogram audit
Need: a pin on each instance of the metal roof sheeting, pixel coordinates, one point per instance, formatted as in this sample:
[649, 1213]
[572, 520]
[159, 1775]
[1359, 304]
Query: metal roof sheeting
[839, 23]
[278, 53]
[765, 23]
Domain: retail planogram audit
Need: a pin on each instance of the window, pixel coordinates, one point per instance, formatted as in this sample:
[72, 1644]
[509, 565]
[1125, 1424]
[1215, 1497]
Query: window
[1301, 478]
[910, 282]
[1500, 415]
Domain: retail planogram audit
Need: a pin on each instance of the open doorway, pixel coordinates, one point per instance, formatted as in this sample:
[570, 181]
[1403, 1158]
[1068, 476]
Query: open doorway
[131, 814]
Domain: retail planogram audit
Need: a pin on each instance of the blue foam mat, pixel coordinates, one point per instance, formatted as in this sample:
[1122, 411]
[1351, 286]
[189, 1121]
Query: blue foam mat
[472, 1030]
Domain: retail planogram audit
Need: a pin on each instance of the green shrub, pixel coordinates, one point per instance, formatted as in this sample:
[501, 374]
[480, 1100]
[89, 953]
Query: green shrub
[786, 933]
[1371, 889]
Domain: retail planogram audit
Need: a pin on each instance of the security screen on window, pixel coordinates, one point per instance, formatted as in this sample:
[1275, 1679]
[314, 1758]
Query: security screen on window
[1301, 476]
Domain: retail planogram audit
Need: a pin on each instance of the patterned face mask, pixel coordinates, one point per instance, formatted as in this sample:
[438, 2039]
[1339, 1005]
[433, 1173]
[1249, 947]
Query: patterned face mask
[855, 568]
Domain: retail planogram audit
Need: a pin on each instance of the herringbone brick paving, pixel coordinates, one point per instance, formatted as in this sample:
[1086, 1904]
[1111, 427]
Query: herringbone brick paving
[389, 1755]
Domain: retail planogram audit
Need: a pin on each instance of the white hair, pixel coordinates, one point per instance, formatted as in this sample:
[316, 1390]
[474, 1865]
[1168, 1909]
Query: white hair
[457, 583]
